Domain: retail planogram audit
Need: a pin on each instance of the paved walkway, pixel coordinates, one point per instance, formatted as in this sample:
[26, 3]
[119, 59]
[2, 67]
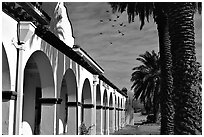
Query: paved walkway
[139, 128]
[147, 129]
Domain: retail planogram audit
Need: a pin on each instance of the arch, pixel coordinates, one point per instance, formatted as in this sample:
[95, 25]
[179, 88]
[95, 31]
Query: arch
[121, 104]
[111, 100]
[6, 86]
[98, 110]
[87, 105]
[86, 92]
[111, 123]
[118, 102]
[6, 79]
[98, 95]
[38, 83]
[67, 116]
[105, 117]
[105, 98]
[121, 113]
[116, 115]
[118, 112]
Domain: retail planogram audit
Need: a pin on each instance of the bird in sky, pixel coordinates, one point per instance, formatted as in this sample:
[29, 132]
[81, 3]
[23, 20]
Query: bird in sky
[121, 24]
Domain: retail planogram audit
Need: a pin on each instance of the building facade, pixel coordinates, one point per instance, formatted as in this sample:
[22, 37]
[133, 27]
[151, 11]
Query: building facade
[49, 85]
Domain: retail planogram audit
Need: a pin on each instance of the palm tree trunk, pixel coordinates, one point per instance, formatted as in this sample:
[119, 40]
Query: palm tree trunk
[188, 104]
[167, 109]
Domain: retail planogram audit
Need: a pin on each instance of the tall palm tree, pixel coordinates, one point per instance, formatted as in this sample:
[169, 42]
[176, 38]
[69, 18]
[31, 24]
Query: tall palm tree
[144, 10]
[188, 103]
[146, 82]
[167, 107]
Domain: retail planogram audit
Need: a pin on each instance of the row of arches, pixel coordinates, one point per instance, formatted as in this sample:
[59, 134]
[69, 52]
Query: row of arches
[44, 109]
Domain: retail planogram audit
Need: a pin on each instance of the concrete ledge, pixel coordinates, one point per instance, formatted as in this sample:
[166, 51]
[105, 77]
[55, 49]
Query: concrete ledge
[9, 95]
[72, 104]
[111, 108]
[50, 100]
[99, 107]
[105, 107]
[88, 105]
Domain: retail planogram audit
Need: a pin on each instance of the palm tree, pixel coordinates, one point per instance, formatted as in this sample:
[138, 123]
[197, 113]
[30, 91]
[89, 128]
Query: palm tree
[188, 99]
[143, 10]
[146, 82]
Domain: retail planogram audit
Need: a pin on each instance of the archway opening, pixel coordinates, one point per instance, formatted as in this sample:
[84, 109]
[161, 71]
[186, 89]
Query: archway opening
[6, 87]
[38, 84]
[98, 110]
[118, 113]
[105, 105]
[68, 108]
[6, 80]
[87, 105]
[111, 110]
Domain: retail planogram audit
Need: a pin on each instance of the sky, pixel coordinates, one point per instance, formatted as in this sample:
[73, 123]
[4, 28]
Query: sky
[113, 42]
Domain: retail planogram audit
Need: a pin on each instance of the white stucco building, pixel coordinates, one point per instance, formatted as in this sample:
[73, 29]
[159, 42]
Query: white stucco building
[49, 85]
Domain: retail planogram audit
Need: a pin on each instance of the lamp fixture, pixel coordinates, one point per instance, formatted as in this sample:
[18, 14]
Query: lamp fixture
[25, 29]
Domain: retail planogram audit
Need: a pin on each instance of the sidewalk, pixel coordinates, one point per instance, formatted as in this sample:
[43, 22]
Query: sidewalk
[147, 129]
[138, 128]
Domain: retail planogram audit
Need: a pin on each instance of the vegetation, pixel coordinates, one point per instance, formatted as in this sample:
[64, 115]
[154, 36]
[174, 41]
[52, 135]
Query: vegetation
[179, 70]
[188, 99]
[84, 130]
[146, 82]
[145, 10]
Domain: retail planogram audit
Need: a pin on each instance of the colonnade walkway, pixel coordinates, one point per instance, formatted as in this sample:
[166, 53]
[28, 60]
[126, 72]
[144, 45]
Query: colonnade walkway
[50, 85]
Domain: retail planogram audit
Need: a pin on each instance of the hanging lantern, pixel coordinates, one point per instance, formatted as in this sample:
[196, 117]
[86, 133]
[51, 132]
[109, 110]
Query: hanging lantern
[26, 29]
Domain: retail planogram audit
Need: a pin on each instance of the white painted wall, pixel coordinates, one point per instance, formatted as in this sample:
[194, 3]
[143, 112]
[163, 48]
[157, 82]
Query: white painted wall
[58, 64]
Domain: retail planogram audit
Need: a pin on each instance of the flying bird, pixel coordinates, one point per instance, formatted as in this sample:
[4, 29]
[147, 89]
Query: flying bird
[115, 20]
[109, 19]
[101, 21]
[118, 16]
[119, 31]
[107, 11]
[121, 24]
[113, 25]
[101, 33]
[123, 34]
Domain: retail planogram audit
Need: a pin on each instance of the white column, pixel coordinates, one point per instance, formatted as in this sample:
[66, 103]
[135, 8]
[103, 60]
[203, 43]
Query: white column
[94, 111]
[19, 101]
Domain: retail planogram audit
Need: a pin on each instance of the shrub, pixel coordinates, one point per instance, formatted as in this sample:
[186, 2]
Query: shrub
[84, 130]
